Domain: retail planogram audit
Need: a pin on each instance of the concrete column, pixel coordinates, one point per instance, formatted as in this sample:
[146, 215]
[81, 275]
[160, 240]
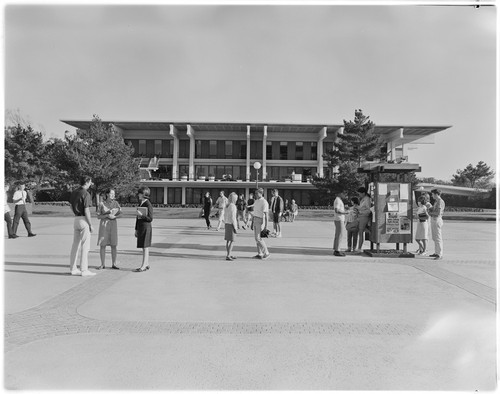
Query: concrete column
[321, 136]
[264, 165]
[192, 147]
[248, 154]
[183, 196]
[175, 168]
[165, 195]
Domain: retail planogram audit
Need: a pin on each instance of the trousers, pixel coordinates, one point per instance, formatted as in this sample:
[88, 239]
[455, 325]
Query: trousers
[21, 213]
[339, 232]
[257, 227]
[437, 236]
[81, 244]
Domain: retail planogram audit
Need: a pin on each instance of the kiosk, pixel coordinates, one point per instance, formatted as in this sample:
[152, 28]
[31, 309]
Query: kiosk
[392, 210]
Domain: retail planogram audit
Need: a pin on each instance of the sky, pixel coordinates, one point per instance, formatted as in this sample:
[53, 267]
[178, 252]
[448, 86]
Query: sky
[401, 64]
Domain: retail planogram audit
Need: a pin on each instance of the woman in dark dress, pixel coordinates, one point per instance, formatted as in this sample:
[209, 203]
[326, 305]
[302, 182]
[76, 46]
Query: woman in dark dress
[143, 228]
[207, 208]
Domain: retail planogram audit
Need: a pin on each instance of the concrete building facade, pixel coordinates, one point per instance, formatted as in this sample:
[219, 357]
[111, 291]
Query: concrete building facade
[183, 160]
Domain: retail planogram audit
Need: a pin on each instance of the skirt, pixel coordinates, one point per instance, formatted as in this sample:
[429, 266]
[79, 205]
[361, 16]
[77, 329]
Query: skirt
[108, 233]
[144, 235]
[422, 230]
[229, 232]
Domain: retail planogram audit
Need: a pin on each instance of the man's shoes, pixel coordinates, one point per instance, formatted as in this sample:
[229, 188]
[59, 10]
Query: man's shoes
[88, 273]
[31, 235]
[423, 254]
[266, 256]
[257, 256]
[337, 253]
[76, 272]
[438, 258]
[278, 235]
[13, 236]
[358, 251]
[434, 255]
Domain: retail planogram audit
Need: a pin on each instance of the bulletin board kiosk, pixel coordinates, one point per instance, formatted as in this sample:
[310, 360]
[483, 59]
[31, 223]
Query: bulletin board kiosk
[392, 209]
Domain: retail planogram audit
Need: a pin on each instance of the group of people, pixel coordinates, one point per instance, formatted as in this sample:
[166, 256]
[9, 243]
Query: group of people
[20, 199]
[108, 211]
[355, 218]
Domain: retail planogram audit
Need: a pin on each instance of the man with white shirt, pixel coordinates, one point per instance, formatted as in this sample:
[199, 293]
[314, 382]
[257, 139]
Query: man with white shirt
[339, 220]
[21, 212]
[260, 210]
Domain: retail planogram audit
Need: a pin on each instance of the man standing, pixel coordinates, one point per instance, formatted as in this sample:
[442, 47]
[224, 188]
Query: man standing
[339, 220]
[241, 206]
[260, 210]
[221, 206]
[80, 204]
[19, 200]
[277, 207]
[250, 203]
[436, 214]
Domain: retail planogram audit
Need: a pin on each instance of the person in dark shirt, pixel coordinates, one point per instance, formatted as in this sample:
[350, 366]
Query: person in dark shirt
[143, 228]
[241, 206]
[207, 208]
[250, 202]
[80, 204]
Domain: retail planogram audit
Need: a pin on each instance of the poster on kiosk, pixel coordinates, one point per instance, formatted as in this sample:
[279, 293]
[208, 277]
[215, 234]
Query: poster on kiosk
[392, 212]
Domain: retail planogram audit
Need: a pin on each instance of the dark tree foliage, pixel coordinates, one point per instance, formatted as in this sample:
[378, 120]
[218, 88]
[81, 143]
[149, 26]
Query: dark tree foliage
[478, 176]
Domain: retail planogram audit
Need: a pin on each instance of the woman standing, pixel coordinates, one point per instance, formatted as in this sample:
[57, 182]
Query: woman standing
[230, 225]
[422, 233]
[143, 228]
[364, 211]
[108, 211]
[207, 208]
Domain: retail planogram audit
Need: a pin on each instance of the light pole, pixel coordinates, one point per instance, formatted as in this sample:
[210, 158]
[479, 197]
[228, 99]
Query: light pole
[257, 166]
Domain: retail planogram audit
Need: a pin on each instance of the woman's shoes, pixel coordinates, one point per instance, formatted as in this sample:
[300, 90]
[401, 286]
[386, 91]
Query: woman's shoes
[114, 267]
[101, 267]
[141, 269]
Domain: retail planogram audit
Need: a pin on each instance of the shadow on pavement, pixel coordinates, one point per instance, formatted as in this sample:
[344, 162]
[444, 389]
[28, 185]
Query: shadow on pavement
[40, 273]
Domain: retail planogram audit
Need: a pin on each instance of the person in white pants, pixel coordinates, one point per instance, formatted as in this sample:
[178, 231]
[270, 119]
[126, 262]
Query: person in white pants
[436, 214]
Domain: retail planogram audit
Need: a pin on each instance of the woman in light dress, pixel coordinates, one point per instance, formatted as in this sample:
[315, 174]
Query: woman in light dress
[108, 211]
[422, 233]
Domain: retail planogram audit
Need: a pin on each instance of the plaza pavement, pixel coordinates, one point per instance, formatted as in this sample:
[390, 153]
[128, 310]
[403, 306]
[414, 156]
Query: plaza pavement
[301, 320]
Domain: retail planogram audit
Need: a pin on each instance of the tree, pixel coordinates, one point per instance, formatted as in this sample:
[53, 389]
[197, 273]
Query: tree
[357, 144]
[475, 177]
[25, 158]
[101, 153]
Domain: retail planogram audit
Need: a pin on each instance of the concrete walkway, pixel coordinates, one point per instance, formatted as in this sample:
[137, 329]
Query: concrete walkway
[303, 319]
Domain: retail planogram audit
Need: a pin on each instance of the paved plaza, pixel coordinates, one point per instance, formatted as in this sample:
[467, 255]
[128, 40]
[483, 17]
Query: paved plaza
[301, 320]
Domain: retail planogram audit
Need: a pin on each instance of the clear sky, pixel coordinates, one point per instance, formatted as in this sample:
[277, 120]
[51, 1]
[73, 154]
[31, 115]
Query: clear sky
[401, 64]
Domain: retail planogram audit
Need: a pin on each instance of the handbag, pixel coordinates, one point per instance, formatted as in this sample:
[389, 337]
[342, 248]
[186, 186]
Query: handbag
[265, 233]
[423, 217]
[202, 213]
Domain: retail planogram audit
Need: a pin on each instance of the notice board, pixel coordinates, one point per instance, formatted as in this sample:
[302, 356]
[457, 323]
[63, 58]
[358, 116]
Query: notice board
[392, 212]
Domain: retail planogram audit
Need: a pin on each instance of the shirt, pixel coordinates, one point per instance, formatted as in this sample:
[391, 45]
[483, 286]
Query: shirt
[277, 204]
[364, 206]
[260, 207]
[7, 208]
[241, 204]
[338, 204]
[351, 216]
[20, 195]
[250, 202]
[79, 200]
[221, 202]
[437, 209]
[230, 215]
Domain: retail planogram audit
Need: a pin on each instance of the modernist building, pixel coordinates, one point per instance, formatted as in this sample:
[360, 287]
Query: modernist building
[184, 160]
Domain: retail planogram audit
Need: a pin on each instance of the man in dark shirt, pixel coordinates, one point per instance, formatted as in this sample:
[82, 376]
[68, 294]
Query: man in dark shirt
[81, 202]
[250, 203]
[241, 206]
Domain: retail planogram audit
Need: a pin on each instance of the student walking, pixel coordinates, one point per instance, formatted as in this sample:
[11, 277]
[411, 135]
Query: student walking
[143, 227]
[230, 225]
[422, 232]
[260, 212]
[207, 209]
[338, 220]
[352, 225]
[81, 202]
[108, 211]
[20, 212]
[436, 214]
[364, 211]
[6, 215]
[241, 206]
[221, 206]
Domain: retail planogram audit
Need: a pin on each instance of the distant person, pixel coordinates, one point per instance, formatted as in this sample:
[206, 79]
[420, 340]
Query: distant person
[250, 203]
[143, 227]
[241, 206]
[20, 212]
[220, 204]
[286, 211]
[339, 221]
[81, 202]
[436, 214]
[207, 209]
[230, 225]
[422, 232]
[352, 225]
[364, 212]
[277, 207]
[6, 215]
[107, 212]
[294, 210]
[260, 212]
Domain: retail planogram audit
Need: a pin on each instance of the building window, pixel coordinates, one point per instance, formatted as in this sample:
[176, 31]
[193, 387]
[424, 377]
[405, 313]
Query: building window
[158, 147]
[197, 149]
[299, 151]
[213, 150]
[184, 149]
[243, 150]
[283, 150]
[256, 150]
[142, 147]
[269, 150]
[174, 195]
[314, 151]
[229, 150]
